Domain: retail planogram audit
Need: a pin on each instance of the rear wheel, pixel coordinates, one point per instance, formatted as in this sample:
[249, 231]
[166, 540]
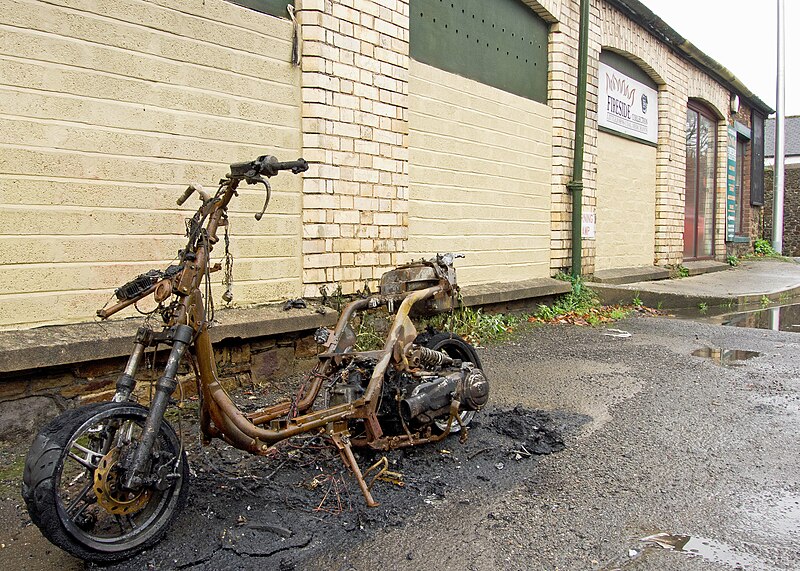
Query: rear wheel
[72, 482]
[455, 347]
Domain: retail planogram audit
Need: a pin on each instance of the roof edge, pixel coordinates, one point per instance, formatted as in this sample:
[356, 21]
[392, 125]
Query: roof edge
[642, 15]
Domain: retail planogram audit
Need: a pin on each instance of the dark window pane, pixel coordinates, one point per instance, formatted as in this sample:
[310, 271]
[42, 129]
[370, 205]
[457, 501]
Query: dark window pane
[757, 160]
[690, 220]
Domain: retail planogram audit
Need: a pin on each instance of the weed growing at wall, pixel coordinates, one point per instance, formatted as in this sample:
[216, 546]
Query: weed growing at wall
[763, 248]
[581, 306]
[475, 326]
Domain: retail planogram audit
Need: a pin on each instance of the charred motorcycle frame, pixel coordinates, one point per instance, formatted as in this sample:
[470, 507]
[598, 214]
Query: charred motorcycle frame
[104, 481]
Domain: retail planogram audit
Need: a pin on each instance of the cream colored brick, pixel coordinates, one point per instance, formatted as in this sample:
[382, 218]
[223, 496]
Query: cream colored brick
[321, 260]
[144, 119]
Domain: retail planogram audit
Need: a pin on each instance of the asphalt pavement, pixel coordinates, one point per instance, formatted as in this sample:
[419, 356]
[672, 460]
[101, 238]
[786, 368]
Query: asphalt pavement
[682, 431]
[677, 444]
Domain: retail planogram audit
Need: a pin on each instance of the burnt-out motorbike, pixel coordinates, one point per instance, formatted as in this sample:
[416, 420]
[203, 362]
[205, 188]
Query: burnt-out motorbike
[104, 481]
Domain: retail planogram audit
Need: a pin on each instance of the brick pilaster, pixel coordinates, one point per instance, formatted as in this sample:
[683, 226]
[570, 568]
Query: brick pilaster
[355, 129]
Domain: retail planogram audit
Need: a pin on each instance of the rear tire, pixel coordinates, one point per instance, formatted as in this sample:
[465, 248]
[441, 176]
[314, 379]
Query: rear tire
[70, 483]
[455, 347]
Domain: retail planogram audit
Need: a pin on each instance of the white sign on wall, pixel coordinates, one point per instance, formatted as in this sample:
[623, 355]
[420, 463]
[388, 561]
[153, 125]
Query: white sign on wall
[627, 106]
[588, 224]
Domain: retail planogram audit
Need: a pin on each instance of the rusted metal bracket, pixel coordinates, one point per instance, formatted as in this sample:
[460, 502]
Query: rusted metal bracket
[342, 441]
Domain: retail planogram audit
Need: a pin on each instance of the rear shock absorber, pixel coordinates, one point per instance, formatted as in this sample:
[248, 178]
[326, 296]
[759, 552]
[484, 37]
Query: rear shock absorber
[422, 356]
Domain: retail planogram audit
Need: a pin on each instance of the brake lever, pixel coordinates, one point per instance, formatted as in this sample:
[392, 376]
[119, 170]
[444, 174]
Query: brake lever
[259, 179]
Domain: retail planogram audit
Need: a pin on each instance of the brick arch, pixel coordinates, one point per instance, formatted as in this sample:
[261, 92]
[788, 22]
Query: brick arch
[709, 106]
[702, 88]
[642, 64]
[622, 35]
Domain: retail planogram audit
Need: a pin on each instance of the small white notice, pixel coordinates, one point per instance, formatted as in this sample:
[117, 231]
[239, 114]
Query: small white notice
[588, 224]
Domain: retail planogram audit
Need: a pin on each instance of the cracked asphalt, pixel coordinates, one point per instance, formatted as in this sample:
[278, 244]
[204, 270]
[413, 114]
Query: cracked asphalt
[656, 441]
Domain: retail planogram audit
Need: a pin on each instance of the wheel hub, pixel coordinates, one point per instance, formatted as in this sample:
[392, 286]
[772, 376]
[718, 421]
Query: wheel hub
[108, 488]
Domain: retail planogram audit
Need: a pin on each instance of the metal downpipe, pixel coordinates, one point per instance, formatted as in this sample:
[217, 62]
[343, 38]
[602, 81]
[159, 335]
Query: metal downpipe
[575, 186]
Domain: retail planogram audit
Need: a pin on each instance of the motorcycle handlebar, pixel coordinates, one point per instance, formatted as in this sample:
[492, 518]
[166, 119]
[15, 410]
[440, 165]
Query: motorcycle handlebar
[266, 165]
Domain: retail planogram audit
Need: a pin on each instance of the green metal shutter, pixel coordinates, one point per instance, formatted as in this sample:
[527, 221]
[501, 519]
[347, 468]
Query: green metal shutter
[502, 43]
[272, 7]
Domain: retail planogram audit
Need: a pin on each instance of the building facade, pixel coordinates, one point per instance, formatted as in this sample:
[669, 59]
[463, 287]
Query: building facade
[430, 126]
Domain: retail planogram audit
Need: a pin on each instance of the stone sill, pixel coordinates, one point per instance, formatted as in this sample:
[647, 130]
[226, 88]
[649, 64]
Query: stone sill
[68, 344]
[498, 293]
[620, 276]
[699, 267]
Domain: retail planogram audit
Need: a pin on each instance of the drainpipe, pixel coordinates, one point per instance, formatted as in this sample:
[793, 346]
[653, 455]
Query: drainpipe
[575, 186]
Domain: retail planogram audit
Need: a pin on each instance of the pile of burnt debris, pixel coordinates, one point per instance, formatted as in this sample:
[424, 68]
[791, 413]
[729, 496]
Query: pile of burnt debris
[299, 501]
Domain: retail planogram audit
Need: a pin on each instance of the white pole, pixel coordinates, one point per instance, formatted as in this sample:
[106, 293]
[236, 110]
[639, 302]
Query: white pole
[777, 194]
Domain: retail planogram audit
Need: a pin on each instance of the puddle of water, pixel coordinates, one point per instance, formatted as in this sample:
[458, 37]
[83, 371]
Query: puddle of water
[708, 549]
[725, 357]
[776, 516]
[780, 318]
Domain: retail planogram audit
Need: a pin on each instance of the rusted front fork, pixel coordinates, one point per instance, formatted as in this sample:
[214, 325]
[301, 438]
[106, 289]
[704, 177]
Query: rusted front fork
[127, 380]
[180, 336]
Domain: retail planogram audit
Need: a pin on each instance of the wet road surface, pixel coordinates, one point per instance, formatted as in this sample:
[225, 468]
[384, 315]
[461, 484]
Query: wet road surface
[701, 459]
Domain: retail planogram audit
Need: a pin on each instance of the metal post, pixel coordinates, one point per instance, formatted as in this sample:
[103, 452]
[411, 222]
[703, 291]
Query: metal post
[778, 188]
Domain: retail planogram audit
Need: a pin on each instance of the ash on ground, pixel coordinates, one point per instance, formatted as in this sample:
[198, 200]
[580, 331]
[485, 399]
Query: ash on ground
[286, 509]
[533, 430]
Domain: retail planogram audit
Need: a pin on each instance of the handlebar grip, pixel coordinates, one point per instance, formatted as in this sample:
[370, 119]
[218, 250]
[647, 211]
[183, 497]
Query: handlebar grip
[187, 193]
[266, 165]
[270, 166]
[298, 166]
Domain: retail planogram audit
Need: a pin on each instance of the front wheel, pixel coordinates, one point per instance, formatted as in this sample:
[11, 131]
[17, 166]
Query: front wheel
[73, 476]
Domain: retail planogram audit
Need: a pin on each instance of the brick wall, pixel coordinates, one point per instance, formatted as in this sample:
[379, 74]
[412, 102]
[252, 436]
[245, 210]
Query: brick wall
[561, 96]
[121, 102]
[678, 83]
[261, 365]
[355, 131]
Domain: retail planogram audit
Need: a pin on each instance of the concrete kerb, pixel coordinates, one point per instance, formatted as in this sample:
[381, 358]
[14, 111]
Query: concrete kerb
[747, 285]
[611, 295]
[70, 344]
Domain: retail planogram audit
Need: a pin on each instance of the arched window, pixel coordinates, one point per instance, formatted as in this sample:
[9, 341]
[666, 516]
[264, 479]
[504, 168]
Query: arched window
[701, 168]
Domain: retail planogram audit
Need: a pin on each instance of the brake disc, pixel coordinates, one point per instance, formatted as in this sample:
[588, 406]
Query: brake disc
[109, 492]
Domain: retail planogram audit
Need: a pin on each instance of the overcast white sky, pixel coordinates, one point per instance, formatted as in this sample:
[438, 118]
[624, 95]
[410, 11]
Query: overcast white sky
[742, 36]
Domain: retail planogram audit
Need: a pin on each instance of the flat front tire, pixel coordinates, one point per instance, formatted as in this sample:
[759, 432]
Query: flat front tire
[72, 483]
